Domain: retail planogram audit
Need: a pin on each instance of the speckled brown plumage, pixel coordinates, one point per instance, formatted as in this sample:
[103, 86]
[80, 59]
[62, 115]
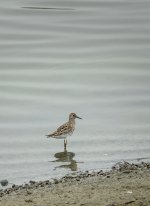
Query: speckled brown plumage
[66, 129]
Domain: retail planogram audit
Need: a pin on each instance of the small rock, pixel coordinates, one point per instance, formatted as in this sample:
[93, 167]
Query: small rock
[28, 200]
[32, 182]
[36, 185]
[42, 185]
[78, 179]
[13, 186]
[56, 181]
[1, 194]
[46, 182]
[4, 182]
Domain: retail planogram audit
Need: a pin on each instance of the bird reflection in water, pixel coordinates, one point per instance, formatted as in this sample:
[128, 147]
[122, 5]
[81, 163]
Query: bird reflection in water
[66, 157]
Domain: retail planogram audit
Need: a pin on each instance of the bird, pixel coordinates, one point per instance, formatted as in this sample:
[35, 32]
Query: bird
[65, 130]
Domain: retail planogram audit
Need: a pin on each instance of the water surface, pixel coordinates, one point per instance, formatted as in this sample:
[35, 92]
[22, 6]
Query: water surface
[88, 57]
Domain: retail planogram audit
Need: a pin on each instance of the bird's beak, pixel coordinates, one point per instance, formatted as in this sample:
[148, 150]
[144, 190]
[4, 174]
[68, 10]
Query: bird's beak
[78, 117]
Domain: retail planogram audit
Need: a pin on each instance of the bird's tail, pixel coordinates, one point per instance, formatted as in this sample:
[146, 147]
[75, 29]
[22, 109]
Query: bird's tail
[47, 135]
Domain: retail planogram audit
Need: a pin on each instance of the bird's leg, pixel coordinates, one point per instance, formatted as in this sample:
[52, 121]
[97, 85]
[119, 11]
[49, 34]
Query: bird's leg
[65, 144]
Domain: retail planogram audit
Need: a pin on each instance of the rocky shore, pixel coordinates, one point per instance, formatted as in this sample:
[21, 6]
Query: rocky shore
[125, 184]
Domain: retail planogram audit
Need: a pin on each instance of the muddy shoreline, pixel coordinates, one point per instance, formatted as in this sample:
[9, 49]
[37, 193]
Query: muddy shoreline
[125, 184]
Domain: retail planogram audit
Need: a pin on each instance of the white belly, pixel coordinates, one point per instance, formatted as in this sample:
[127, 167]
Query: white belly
[63, 136]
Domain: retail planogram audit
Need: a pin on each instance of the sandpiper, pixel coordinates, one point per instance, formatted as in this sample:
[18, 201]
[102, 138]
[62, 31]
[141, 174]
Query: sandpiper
[65, 130]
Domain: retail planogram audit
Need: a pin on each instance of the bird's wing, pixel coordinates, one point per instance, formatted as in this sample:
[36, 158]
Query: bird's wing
[63, 129]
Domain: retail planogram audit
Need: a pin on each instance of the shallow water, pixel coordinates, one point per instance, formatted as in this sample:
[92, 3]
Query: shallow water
[88, 57]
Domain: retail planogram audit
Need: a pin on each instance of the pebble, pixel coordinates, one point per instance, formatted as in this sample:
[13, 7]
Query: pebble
[72, 177]
[56, 181]
[46, 182]
[32, 182]
[4, 182]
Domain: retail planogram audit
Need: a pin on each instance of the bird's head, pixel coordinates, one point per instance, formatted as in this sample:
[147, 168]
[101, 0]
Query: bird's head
[73, 116]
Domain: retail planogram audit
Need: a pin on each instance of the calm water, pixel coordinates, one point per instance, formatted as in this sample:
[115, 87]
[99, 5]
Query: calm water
[88, 57]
